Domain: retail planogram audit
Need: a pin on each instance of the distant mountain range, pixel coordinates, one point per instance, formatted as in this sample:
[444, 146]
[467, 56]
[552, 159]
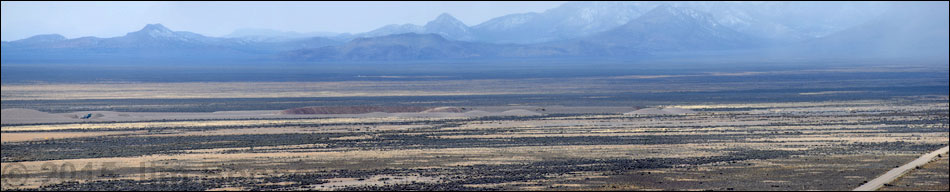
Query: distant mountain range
[154, 41]
[774, 21]
[445, 25]
[256, 34]
[909, 30]
[575, 29]
[668, 28]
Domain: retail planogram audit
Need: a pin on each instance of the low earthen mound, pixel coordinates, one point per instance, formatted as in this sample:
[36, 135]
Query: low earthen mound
[445, 110]
[657, 111]
[353, 110]
[473, 113]
[17, 113]
[679, 111]
[30, 115]
[519, 112]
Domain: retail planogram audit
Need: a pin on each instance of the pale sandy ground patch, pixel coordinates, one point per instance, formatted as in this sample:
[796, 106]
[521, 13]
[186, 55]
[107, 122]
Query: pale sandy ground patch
[29, 116]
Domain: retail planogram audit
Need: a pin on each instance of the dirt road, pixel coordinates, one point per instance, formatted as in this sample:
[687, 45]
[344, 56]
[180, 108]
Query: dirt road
[897, 172]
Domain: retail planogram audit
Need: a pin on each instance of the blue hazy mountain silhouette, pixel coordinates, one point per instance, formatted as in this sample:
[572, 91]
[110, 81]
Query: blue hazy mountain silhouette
[576, 29]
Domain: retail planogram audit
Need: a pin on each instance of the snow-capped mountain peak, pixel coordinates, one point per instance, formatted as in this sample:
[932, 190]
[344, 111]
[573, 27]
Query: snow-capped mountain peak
[154, 30]
[445, 22]
[666, 11]
[448, 27]
[446, 18]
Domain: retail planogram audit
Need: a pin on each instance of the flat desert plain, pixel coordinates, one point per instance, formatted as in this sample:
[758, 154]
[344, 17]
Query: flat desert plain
[833, 129]
[755, 146]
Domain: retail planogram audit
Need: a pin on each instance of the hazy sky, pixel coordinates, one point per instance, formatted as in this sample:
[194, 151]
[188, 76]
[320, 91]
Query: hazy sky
[108, 19]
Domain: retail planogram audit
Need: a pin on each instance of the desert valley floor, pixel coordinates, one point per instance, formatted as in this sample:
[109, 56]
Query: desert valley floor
[829, 129]
[760, 146]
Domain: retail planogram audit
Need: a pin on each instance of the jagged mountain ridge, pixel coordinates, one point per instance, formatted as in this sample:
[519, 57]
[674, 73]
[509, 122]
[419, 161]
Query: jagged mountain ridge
[664, 28]
[668, 28]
